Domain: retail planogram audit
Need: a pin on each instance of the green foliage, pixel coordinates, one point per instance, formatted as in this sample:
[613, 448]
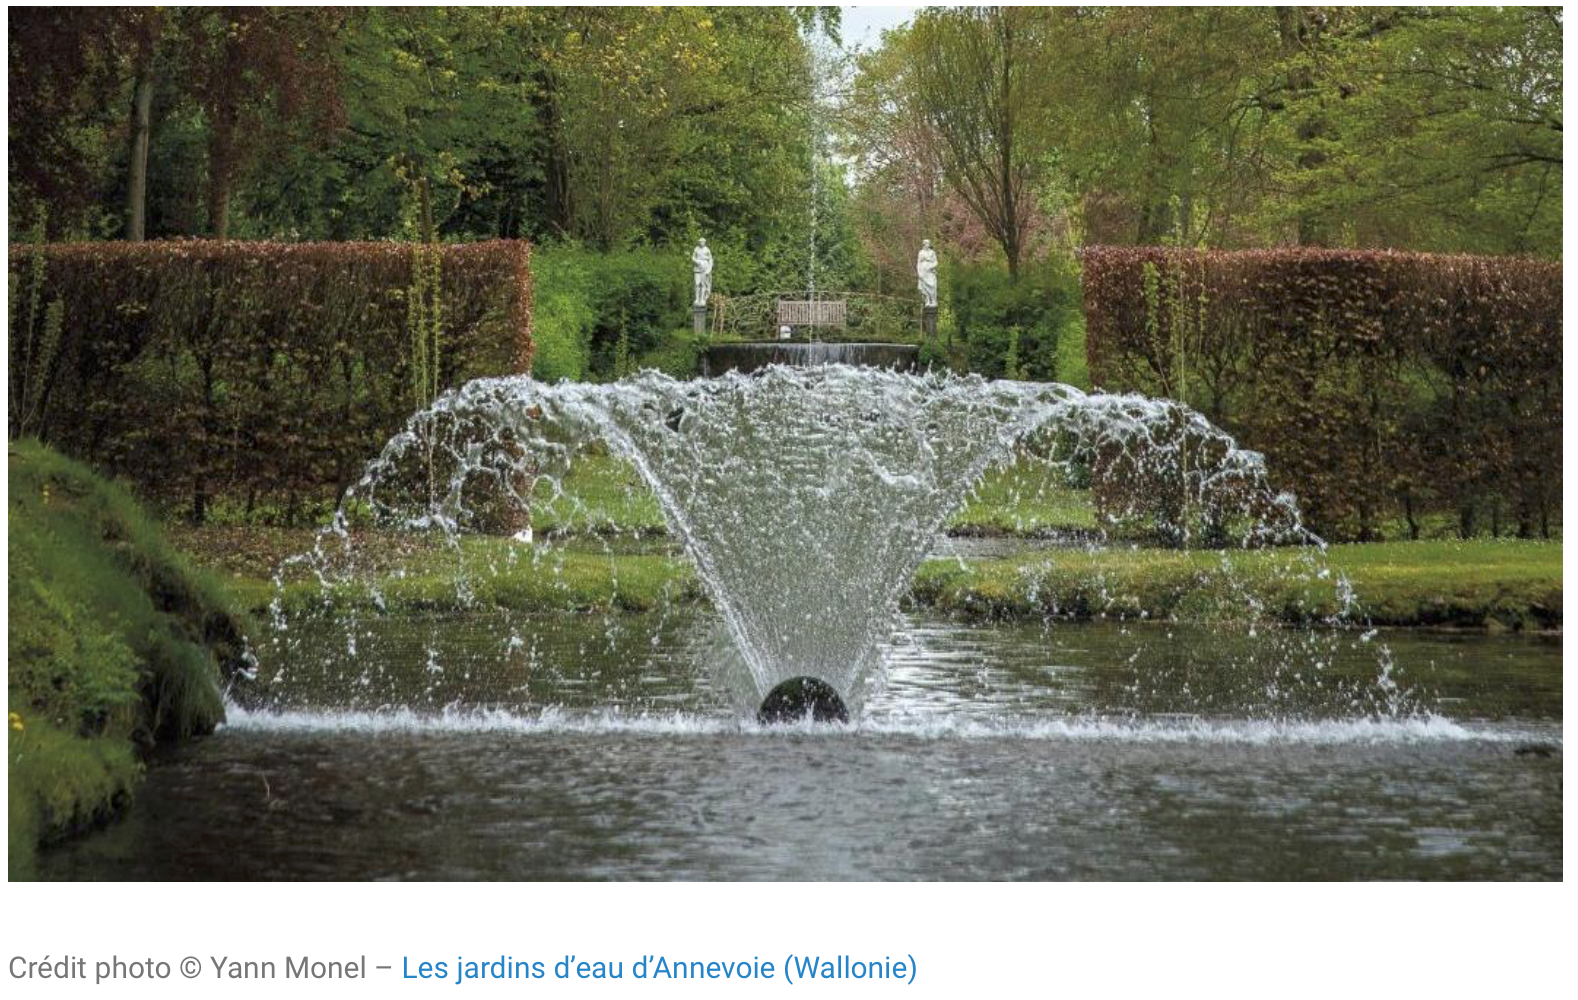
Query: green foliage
[115, 644]
[989, 307]
[1439, 128]
[1424, 128]
[1073, 368]
[937, 354]
[975, 89]
[61, 783]
[1373, 382]
[638, 293]
[35, 339]
[678, 355]
[263, 375]
[622, 364]
[599, 315]
[788, 258]
[606, 125]
[563, 314]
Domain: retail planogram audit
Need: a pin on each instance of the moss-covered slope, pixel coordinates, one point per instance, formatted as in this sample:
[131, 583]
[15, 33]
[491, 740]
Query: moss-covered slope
[116, 644]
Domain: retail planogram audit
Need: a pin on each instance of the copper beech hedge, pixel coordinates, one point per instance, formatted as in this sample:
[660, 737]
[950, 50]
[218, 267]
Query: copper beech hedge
[256, 376]
[1380, 386]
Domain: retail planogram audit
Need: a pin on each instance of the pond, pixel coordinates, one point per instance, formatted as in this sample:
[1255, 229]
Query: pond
[593, 747]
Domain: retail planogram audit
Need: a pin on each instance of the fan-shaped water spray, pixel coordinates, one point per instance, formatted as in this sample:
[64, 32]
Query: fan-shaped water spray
[806, 498]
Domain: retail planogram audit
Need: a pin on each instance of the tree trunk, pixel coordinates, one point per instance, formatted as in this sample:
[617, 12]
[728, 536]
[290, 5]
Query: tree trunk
[221, 170]
[137, 181]
[1011, 231]
[1408, 513]
[1297, 30]
[219, 205]
[558, 207]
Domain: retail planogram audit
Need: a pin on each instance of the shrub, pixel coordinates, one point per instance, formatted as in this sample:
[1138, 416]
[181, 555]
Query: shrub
[678, 355]
[1373, 381]
[258, 376]
[637, 295]
[563, 314]
[588, 302]
[987, 308]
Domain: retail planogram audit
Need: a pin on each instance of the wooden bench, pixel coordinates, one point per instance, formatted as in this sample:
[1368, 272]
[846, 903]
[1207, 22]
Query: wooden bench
[799, 313]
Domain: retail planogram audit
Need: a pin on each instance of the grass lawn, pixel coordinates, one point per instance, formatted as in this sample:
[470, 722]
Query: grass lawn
[603, 495]
[612, 551]
[1023, 499]
[1495, 584]
[1492, 584]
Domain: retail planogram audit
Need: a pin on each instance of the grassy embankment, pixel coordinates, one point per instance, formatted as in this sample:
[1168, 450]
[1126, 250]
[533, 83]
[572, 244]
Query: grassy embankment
[1482, 583]
[1492, 584]
[115, 645]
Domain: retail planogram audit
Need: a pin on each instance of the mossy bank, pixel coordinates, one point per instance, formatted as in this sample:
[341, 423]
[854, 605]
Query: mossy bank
[117, 644]
[1496, 585]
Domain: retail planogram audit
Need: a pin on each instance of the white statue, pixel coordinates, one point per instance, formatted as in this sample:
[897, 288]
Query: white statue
[701, 261]
[926, 271]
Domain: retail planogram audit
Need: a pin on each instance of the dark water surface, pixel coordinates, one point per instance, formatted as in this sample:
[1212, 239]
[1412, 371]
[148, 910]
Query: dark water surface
[592, 747]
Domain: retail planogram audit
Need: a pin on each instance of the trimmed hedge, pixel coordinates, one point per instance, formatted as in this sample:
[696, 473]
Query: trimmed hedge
[1377, 384]
[253, 376]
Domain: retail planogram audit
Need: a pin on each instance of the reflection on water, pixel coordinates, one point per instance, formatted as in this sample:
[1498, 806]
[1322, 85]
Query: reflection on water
[610, 747]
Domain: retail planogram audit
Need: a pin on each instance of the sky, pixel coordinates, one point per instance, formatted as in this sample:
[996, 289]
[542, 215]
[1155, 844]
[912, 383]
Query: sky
[862, 26]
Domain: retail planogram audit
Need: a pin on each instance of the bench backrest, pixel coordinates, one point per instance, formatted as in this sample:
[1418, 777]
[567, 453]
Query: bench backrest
[809, 312]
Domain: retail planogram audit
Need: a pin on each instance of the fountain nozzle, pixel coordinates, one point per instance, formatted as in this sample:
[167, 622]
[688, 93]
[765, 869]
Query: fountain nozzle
[799, 697]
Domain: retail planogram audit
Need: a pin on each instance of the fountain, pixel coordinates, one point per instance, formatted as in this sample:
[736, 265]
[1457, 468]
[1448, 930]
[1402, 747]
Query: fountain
[796, 328]
[805, 497]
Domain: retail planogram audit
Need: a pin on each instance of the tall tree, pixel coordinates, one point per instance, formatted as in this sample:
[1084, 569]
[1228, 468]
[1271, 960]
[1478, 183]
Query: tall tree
[144, 27]
[248, 65]
[1441, 129]
[64, 111]
[974, 73]
[1158, 121]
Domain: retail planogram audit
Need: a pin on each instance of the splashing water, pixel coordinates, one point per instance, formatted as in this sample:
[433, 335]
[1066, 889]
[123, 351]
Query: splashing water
[805, 497]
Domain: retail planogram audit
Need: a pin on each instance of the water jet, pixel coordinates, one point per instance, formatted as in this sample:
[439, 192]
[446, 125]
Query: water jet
[805, 498]
[754, 356]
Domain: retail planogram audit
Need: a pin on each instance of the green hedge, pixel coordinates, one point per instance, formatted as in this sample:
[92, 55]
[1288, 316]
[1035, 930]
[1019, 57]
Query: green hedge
[255, 377]
[1379, 385]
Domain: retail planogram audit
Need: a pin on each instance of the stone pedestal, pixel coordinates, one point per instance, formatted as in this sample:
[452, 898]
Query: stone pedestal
[929, 321]
[698, 317]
